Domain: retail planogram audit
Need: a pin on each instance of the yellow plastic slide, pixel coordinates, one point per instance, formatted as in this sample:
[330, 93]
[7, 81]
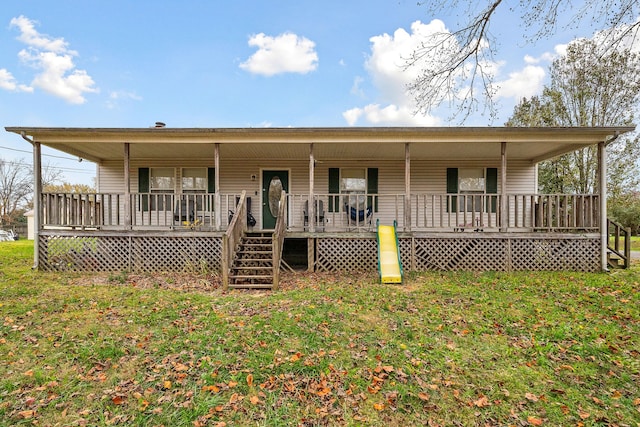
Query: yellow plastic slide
[389, 264]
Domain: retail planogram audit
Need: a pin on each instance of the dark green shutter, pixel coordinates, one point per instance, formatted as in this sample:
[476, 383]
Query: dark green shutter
[492, 187]
[211, 180]
[372, 187]
[452, 188]
[334, 188]
[143, 187]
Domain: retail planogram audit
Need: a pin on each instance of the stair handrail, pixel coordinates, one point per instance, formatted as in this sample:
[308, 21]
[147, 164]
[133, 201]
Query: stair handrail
[616, 231]
[232, 237]
[278, 238]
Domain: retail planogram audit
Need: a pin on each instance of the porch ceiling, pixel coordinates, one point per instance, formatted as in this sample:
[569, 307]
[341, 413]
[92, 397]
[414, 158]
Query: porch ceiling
[533, 144]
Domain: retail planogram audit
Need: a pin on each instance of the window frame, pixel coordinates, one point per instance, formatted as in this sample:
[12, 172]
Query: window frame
[163, 201]
[473, 198]
[195, 189]
[337, 194]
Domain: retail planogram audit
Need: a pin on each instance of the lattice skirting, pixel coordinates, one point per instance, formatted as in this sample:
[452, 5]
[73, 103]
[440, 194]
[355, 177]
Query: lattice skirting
[149, 252]
[465, 253]
[136, 253]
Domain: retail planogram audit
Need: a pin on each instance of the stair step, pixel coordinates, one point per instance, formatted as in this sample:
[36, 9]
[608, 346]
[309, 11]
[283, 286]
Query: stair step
[250, 276]
[251, 286]
[253, 263]
[252, 267]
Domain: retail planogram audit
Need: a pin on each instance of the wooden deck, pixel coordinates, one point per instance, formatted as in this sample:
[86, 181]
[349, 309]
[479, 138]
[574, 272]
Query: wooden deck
[537, 232]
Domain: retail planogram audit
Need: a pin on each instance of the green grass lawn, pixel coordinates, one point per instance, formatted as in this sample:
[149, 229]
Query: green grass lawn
[553, 349]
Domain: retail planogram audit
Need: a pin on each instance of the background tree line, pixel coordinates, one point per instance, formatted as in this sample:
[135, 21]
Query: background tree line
[597, 83]
[591, 86]
[16, 188]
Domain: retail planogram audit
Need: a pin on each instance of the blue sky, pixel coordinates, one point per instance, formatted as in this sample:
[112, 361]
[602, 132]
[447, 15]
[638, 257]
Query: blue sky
[200, 63]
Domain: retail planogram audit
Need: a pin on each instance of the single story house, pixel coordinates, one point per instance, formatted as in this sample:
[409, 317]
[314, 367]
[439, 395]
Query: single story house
[463, 198]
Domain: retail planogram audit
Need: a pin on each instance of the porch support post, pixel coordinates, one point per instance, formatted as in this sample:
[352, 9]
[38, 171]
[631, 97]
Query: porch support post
[37, 205]
[407, 187]
[503, 187]
[312, 204]
[602, 176]
[127, 185]
[216, 164]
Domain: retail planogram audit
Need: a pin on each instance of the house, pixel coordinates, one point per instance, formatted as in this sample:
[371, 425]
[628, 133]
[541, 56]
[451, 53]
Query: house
[30, 224]
[464, 198]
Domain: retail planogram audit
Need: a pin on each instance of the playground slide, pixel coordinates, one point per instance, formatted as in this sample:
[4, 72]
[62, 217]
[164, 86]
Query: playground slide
[389, 263]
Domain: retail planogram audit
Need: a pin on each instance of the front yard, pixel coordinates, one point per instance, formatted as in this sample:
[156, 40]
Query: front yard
[443, 349]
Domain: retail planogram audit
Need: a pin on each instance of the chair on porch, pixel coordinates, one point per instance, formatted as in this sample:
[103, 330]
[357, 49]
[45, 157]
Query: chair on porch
[319, 214]
[357, 213]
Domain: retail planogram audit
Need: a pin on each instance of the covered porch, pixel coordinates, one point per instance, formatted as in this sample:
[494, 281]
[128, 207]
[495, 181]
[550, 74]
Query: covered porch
[502, 229]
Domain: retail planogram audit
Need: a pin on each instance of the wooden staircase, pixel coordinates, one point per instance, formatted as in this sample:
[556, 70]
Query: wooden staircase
[252, 266]
[618, 246]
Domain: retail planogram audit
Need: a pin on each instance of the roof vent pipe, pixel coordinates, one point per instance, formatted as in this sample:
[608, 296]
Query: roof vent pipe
[160, 125]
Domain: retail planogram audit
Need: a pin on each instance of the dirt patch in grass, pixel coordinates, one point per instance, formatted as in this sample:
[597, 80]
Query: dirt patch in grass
[210, 283]
[186, 282]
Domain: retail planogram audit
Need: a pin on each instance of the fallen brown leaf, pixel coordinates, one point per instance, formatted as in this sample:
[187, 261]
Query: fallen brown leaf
[534, 421]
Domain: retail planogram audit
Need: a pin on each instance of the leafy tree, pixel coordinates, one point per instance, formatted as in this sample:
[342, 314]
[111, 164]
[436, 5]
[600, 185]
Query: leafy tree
[625, 210]
[589, 86]
[466, 68]
[67, 187]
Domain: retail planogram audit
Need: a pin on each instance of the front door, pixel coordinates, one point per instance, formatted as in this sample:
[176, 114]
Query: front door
[273, 183]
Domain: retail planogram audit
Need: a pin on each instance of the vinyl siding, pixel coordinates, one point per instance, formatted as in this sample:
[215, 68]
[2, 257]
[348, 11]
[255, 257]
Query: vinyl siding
[427, 177]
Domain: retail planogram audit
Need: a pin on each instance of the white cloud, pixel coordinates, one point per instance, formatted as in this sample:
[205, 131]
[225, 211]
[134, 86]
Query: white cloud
[286, 53]
[391, 115]
[386, 67]
[353, 115]
[117, 96]
[8, 82]
[54, 60]
[522, 84]
[30, 36]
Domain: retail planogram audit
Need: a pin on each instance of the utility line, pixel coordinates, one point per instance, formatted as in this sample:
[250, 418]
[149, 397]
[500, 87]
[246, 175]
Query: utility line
[29, 152]
[56, 167]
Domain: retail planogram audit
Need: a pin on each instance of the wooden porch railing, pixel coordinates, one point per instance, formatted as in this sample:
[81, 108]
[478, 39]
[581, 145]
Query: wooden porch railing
[334, 212]
[619, 245]
[232, 237]
[147, 210]
[73, 209]
[456, 212]
[554, 212]
[278, 238]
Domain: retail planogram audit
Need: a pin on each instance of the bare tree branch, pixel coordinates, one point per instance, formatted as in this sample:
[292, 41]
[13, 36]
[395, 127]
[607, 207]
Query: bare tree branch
[457, 66]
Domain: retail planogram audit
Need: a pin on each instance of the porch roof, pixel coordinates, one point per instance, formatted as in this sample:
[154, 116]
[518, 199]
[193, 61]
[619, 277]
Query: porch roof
[363, 143]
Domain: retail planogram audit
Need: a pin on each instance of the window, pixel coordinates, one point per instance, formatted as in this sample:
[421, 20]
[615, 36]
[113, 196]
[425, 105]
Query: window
[194, 180]
[469, 181]
[355, 185]
[161, 180]
[353, 181]
[155, 180]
